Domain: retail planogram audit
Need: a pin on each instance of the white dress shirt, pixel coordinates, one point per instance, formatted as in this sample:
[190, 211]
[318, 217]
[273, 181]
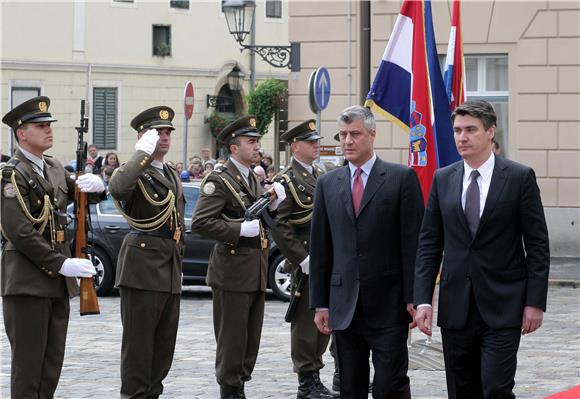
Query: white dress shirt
[366, 170]
[483, 181]
[244, 170]
[308, 168]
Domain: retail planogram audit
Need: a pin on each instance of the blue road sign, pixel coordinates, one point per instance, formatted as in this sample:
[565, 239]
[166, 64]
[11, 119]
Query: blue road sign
[322, 88]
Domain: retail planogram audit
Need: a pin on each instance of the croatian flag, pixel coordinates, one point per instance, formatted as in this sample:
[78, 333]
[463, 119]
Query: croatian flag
[409, 90]
[454, 75]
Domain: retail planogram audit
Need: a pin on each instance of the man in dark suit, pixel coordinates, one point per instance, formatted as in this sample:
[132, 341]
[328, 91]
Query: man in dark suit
[486, 214]
[365, 227]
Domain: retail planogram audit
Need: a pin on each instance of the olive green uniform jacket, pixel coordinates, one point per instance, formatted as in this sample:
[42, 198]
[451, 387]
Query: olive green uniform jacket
[149, 261]
[236, 263]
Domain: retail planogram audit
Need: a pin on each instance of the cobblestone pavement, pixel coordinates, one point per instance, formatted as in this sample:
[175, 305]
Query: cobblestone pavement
[548, 360]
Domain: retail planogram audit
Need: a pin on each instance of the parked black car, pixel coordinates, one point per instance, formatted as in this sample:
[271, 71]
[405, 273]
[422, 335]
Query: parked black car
[108, 228]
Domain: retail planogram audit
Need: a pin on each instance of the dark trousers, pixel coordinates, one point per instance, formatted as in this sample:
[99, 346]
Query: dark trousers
[480, 362]
[389, 355]
[237, 323]
[36, 328]
[150, 320]
[307, 344]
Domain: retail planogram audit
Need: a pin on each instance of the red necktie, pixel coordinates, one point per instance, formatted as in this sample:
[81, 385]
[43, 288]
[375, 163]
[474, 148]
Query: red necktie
[357, 190]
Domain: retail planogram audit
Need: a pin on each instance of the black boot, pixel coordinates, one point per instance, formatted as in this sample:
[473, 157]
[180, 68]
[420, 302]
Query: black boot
[321, 388]
[229, 392]
[336, 380]
[241, 391]
[308, 388]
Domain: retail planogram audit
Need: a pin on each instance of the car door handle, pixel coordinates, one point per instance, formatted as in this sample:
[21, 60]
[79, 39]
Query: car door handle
[112, 227]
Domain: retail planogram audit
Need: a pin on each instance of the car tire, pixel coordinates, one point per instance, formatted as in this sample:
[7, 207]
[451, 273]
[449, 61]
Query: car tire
[279, 279]
[105, 272]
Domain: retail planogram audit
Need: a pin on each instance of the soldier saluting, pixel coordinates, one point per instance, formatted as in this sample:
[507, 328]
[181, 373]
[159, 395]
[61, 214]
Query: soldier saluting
[150, 196]
[292, 234]
[37, 273]
[238, 263]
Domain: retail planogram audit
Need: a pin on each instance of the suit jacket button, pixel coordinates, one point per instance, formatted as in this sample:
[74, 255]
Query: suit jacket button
[233, 251]
[142, 245]
[305, 242]
[50, 273]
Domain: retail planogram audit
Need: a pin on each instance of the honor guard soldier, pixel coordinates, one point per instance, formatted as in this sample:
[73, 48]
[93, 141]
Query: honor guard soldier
[292, 235]
[149, 194]
[238, 265]
[37, 273]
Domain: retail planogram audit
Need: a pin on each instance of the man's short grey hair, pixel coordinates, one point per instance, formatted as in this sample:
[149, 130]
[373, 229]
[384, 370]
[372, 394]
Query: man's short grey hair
[358, 112]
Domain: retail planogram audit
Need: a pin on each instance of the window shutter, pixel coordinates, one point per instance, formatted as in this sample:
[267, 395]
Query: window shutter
[105, 117]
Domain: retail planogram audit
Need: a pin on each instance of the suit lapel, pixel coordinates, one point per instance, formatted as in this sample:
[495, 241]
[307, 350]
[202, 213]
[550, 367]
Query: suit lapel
[346, 192]
[376, 179]
[160, 177]
[498, 179]
[457, 187]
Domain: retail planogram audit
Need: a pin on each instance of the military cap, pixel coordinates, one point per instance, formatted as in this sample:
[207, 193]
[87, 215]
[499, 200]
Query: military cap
[34, 110]
[306, 131]
[243, 126]
[154, 118]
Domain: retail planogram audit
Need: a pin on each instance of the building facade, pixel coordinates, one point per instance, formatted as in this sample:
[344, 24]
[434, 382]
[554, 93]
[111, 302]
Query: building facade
[124, 56]
[523, 56]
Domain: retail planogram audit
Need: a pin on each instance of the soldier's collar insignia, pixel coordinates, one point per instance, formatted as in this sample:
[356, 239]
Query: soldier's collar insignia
[252, 122]
[42, 106]
[164, 114]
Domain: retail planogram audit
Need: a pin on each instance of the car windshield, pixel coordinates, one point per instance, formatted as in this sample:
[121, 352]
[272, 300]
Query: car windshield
[191, 194]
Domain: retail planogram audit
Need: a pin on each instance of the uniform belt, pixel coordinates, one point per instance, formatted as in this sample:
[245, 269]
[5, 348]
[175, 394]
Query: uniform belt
[250, 242]
[161, 233]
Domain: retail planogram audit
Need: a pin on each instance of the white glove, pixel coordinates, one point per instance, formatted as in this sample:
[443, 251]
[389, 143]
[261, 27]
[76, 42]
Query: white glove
[250, 228]
[280, 196]
[305, 265]
[77, 267]
[90, 183]
[148, 141]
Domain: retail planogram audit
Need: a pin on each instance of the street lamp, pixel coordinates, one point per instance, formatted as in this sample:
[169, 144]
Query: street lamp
[235, 83]
[239, 15]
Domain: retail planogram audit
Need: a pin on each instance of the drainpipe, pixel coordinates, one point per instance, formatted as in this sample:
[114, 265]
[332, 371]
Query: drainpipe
[365, 49]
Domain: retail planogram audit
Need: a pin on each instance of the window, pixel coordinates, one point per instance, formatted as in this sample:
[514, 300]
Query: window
[273, 8]
[179, 4]
[21, 94]
[105, 117]
[225, 103]
[162, 40]
[486, 78]
[123, 1]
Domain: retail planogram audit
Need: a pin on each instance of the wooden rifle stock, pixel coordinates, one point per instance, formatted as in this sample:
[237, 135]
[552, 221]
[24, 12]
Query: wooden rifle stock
[89, 302]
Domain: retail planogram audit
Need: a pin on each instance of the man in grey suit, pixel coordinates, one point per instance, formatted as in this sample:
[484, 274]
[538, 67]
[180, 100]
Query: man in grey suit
[365, 226]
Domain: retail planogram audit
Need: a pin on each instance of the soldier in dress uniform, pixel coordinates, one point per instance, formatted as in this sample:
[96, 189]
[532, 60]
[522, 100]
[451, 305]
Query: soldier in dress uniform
[149, 194]
[238, 265]
[37, 273]
[292, 235]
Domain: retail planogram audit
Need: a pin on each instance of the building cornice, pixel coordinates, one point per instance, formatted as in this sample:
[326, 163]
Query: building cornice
[104, 68]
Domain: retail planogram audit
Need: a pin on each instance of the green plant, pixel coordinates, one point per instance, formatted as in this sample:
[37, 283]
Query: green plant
[217, 122]
[264, 100]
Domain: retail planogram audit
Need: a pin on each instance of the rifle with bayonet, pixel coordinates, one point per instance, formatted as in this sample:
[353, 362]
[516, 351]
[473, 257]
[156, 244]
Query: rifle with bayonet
[88, 301]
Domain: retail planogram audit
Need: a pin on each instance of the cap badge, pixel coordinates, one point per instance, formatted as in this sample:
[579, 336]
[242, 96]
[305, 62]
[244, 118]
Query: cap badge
[253, 122]
[312, 126]
[42, 106]
[164, 114]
